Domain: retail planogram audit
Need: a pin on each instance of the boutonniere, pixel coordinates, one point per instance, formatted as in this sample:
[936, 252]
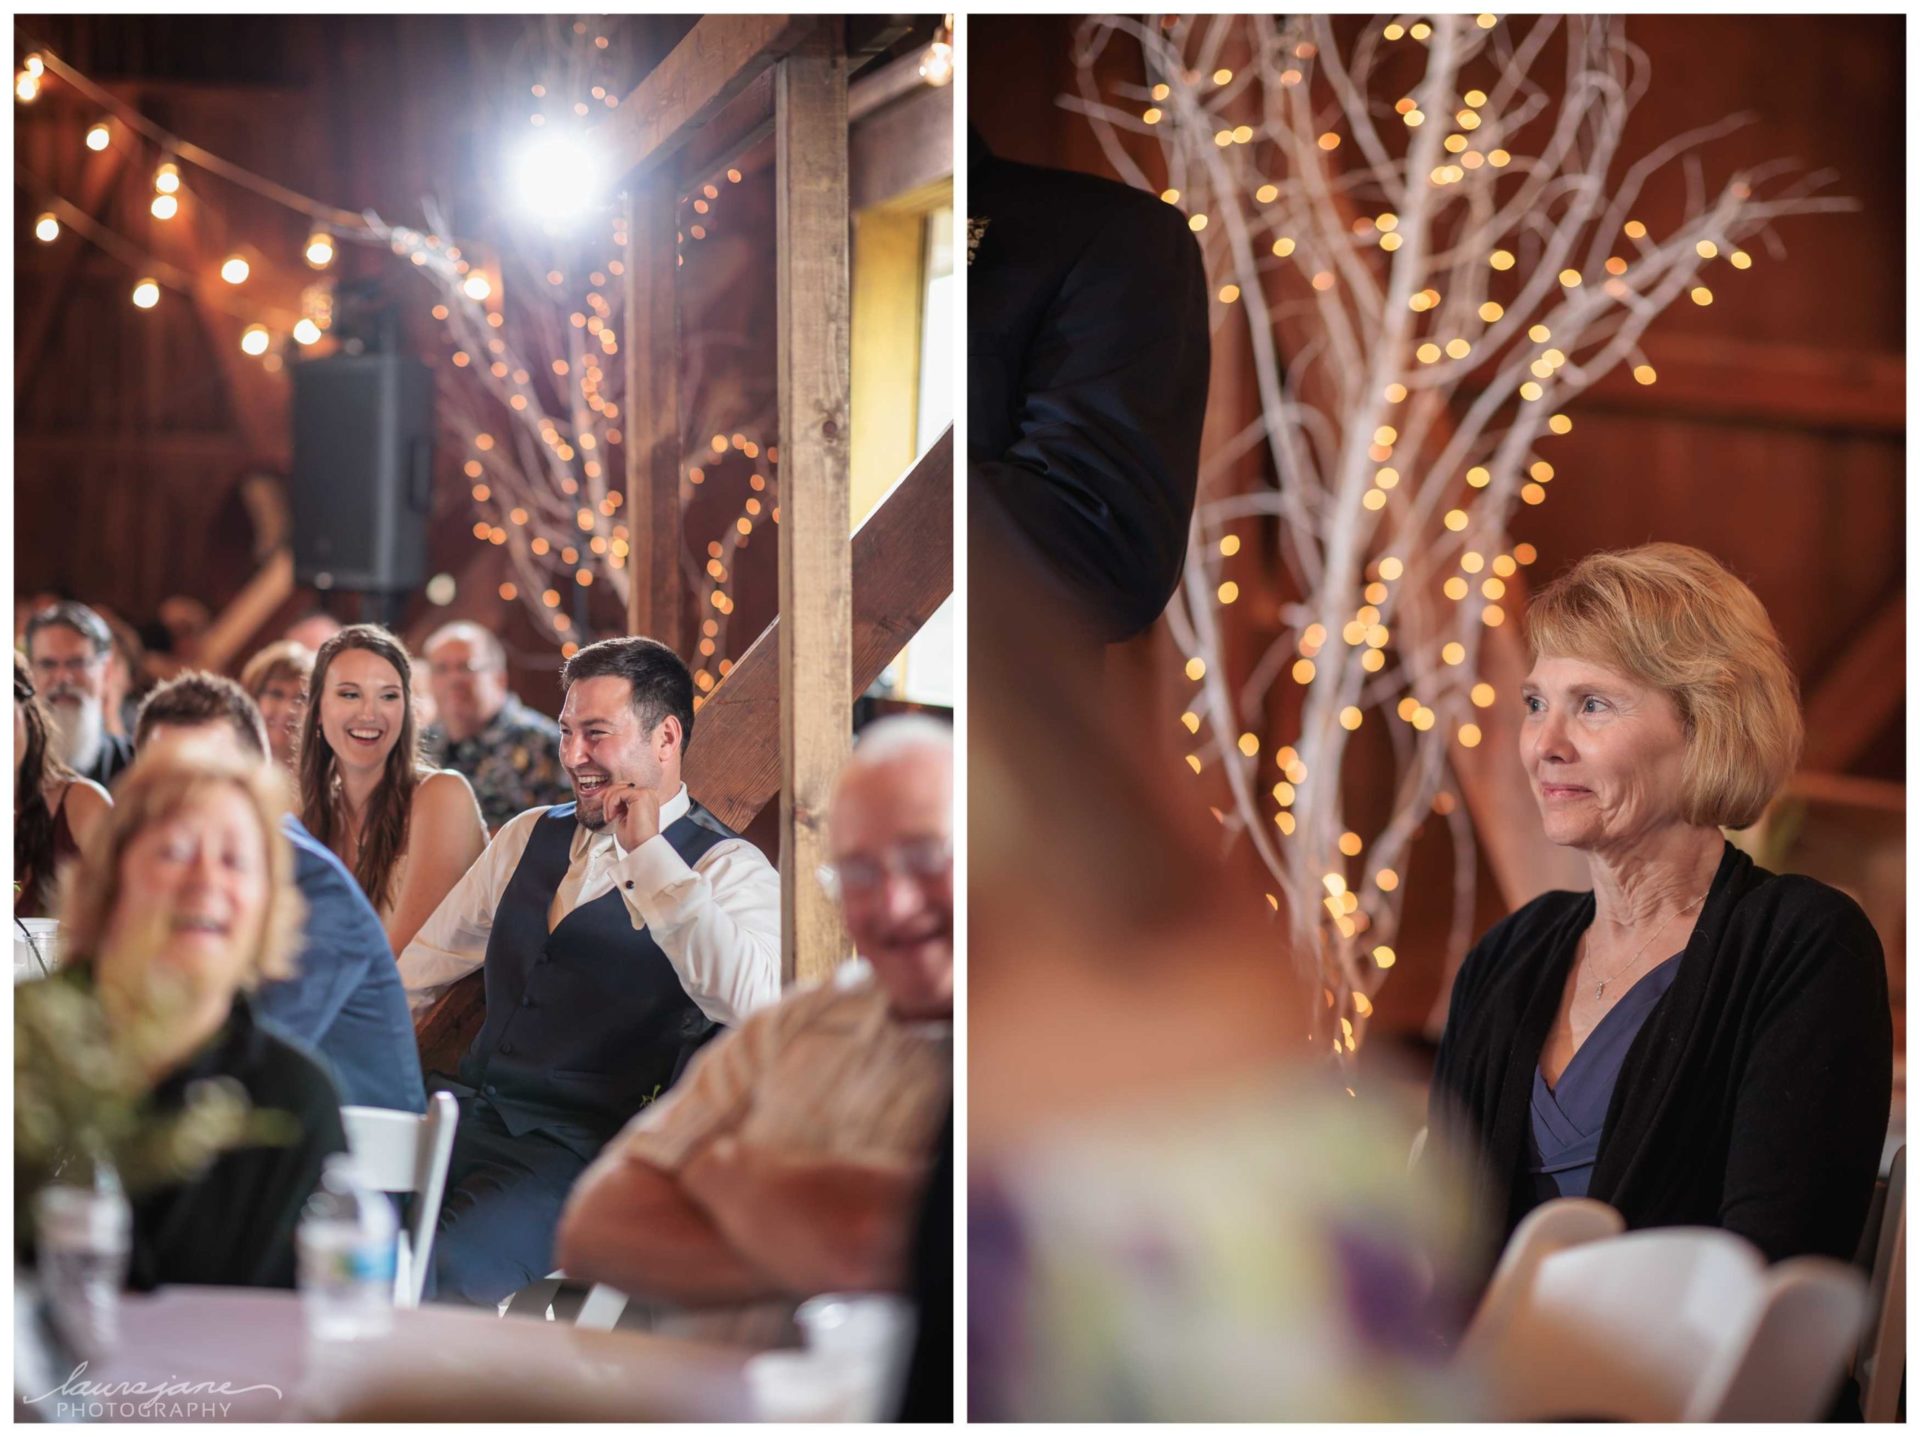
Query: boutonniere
[976, 231]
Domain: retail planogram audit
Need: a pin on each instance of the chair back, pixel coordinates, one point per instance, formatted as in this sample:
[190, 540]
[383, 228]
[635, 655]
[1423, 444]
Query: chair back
[1881, 1363]
[1797, 1352]
[1664, 1325]
[397, 1152]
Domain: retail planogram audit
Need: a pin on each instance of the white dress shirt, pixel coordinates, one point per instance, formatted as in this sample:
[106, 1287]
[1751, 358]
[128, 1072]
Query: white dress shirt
[718, 921]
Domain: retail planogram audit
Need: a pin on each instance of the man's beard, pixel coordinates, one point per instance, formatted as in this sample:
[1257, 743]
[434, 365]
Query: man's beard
[78, 730]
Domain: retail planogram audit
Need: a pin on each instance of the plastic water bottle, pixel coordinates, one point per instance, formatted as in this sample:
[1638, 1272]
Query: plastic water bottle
[348, 1241]
[84, 1234]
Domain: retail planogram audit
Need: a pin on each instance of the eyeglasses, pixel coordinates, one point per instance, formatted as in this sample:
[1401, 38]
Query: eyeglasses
[861, 874]
[473, 666]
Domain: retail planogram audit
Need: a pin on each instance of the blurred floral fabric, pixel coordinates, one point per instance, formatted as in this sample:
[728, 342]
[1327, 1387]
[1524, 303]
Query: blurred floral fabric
[1254, 1253]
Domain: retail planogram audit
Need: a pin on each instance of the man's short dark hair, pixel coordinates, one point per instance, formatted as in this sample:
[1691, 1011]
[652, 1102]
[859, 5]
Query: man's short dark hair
[196, 698]
[70, 614]
[661, 683]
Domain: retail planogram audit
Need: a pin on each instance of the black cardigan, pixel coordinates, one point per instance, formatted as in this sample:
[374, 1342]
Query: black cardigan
[1755, 1097]
[234, 1225]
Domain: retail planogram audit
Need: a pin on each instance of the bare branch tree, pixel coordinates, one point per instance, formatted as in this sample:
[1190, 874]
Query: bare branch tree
[1451, 260]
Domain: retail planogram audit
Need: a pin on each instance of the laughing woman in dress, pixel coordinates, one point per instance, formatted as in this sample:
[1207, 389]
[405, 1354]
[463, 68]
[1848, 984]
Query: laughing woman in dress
[1695, 1041]
[407, 832]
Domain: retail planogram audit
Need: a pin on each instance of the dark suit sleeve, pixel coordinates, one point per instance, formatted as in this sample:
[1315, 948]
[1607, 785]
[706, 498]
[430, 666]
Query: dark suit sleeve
[1098, 485]
[1810, 1115]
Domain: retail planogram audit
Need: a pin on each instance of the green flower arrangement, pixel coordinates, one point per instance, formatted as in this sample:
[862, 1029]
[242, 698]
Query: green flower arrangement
[81, 1094]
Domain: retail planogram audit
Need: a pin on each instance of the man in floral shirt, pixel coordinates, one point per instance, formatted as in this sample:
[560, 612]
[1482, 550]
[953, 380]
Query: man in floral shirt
[508, 752]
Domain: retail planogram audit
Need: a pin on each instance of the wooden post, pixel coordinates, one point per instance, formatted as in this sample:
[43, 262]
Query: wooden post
[656, 595]
[812, 240]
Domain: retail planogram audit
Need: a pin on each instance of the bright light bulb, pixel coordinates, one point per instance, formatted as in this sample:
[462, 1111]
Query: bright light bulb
[165, 207]
[936, 66]
[478, 286]
[254, 339]
[235, 270]
[320, 249]
[46, 229]
[99, 137]
[26, 85]
[166, 179]
[559, 175]
[146, 294]
[36, 67]
[307, 332]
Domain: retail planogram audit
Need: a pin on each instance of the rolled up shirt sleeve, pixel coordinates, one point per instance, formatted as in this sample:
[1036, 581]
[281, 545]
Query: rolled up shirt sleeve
[718, 921]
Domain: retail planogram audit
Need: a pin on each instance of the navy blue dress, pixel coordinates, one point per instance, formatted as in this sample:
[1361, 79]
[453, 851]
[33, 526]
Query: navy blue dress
[1564, 1136]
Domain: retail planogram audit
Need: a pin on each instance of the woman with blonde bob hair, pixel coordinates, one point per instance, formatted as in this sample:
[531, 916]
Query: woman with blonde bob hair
[1695, 1041]
[182, 903]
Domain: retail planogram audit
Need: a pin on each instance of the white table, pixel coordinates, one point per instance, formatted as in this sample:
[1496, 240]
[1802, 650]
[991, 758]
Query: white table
[250, 1349]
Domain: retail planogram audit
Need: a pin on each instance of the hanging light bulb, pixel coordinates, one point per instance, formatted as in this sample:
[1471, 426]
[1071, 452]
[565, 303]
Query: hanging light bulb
[936, 66]
[307, 332]
[254, 339]
[146, 294]
[320, 249]
[99, 137]
[26, 85]
[478, 286]
[36, 67]
[235, 270]
[46, 229]
[165, 207]
[166, 179]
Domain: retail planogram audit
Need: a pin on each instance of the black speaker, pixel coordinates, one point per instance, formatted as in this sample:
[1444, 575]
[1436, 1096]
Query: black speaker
[362, 471]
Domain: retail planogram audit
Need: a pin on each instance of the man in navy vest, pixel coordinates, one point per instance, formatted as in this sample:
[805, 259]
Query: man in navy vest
[617, 933]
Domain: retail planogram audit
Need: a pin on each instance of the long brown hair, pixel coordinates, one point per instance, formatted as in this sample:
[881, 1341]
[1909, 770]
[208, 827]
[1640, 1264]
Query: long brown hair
[33, 824]
[383, 835]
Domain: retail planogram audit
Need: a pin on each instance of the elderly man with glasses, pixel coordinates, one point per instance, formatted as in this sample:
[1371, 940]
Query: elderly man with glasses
[792, 1157]
[508, 752]
[68, 646]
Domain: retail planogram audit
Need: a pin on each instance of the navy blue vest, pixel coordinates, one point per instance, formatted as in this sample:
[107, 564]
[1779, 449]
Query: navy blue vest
[589, 1023]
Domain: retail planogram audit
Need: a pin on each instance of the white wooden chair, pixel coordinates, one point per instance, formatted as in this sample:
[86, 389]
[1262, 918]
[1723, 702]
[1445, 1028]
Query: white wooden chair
[398, 1152]
[554, 1298]
[1881, 1363]
[1665, 1325]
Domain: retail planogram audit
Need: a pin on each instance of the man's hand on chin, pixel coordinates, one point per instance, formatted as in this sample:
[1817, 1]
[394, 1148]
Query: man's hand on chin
[633, 813]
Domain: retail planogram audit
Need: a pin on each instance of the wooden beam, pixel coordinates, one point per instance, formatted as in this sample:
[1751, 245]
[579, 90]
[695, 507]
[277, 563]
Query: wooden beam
[1768, 384]
[902, 146]
[656, 603]
[241, 619]
[1860, 692]
[902, 572]
[812, 241]
[687, 90]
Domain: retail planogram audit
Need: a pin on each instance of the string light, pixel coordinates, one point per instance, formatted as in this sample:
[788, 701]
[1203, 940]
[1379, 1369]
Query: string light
[46, 229]
[254, 340]
[319, 251]
[99, 137]
[146, 294]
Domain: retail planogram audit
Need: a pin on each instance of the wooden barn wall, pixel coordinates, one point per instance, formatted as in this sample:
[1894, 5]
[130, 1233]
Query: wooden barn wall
[134, 429]
[1776, 436]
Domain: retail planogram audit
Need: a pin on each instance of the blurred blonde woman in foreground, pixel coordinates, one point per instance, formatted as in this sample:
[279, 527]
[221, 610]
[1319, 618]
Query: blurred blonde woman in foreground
[183, 901]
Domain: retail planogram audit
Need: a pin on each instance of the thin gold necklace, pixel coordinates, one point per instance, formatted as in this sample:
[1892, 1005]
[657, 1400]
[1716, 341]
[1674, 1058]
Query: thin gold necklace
[1600, 987]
